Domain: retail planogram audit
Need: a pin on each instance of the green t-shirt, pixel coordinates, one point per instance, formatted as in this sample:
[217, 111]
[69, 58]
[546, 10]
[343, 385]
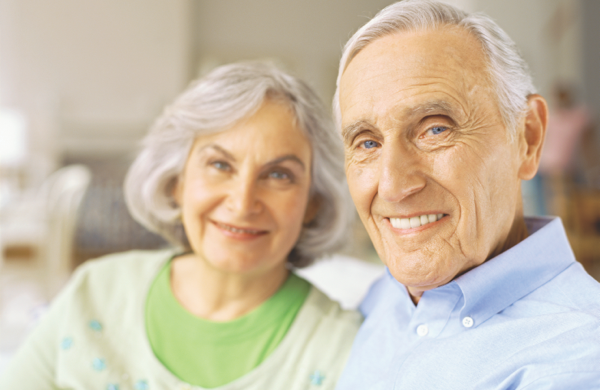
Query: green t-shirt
[210, 354]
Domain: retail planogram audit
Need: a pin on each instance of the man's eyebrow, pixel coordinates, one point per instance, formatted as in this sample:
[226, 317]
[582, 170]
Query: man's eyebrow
[350, 131]
[287, 157]
[438, 107]
[218, 149]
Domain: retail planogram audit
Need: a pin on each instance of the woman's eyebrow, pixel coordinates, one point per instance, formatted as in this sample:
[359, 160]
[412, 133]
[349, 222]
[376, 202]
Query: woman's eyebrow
[218, 149]
[287, 157]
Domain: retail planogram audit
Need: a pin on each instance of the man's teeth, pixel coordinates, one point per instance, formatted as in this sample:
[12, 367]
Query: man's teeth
[414, 222]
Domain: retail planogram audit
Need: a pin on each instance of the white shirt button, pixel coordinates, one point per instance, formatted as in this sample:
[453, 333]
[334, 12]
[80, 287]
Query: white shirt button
[468, 322]
[422, 330]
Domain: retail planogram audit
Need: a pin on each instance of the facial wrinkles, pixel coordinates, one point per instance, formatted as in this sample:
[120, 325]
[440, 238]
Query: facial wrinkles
[503, 194]
[365, 99]
[422, 269]
[470, 141]
[473, 232]
[482, 194]
[376, 91]
[393, 113]
[460, 167]
[466, 197]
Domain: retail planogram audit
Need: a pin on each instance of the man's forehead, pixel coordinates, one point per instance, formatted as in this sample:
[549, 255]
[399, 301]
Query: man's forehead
[429, 50]
[414, 72]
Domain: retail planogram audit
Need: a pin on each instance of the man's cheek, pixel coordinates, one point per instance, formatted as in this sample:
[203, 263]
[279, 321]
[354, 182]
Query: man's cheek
[361, 196]
[360, 180]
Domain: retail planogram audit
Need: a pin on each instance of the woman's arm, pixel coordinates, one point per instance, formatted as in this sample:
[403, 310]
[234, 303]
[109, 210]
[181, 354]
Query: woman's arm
[34, 365]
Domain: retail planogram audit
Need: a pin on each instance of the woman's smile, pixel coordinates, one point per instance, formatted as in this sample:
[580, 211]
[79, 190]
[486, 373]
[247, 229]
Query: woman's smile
[239, 233]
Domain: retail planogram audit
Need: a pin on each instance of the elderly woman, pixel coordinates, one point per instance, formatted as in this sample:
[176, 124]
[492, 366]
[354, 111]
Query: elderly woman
[244, 174]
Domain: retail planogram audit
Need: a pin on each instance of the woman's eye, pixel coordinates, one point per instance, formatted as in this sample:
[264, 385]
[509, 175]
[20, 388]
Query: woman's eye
[369, 144]
[278, 175]
[437, 130]
[221, 165]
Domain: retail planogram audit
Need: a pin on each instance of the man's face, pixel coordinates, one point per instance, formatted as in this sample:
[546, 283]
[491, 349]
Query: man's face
[430, 164]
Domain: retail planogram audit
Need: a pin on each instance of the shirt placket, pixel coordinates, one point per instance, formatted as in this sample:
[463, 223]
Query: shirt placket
[428, 321]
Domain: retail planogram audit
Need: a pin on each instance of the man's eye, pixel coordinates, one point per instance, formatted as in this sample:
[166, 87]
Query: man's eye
[369, 144]
[437, 130]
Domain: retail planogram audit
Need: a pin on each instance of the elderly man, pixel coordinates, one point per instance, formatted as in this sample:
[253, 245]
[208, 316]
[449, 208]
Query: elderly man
[441, 123]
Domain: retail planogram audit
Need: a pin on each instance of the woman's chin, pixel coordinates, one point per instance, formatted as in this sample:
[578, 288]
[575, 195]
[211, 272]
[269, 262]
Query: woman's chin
[242, 265]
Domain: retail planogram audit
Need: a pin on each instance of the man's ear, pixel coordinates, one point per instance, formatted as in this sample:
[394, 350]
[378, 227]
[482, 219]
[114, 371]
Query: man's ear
[314, 204]
[532, 138]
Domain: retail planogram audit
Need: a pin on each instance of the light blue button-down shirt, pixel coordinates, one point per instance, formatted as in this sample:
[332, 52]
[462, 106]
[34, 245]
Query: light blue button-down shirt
[526, 319]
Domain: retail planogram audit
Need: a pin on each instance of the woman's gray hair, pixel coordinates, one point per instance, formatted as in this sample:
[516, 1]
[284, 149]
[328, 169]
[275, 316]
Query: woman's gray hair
[215, 103]
[508, 71]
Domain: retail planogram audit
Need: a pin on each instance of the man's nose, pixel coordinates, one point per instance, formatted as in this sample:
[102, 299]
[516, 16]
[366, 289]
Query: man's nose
[400, 175]
[243, 197]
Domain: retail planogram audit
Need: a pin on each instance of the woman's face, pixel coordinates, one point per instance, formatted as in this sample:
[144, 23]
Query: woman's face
[244, 192]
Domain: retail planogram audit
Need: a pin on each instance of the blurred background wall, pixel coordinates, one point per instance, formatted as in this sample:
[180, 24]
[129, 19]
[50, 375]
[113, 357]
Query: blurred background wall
[81, 81]
[90, 76]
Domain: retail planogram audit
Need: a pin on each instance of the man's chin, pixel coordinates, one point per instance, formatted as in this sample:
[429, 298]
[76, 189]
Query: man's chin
[418, 273]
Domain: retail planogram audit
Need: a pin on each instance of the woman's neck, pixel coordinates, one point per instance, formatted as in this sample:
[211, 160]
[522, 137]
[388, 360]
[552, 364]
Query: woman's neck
[215, 295]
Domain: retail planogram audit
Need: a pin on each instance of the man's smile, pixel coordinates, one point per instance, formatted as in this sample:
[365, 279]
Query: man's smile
[415, 221]
[415, 224]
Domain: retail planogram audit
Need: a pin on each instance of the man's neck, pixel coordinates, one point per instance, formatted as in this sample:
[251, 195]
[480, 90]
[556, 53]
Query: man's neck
[518, 232]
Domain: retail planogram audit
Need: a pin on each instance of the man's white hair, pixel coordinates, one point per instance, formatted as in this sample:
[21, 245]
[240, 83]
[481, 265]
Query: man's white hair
[508, 71]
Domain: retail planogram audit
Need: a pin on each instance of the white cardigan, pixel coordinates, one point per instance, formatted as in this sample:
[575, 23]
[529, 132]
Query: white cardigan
[94, 337]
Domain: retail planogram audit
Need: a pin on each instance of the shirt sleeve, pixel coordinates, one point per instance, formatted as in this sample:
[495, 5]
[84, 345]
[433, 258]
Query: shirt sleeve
[577, 374]
[567, 381]
[34, 365]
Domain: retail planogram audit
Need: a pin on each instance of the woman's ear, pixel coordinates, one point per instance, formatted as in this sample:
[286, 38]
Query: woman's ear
[532, 138]
[175, 189]
[314, 204]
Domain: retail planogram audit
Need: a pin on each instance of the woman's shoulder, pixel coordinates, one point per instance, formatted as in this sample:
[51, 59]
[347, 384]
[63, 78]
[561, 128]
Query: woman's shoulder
[330, 311]
[342, 281]
[326, 323]
[95, 323]
[314, 350]
[135, 266]
[110, 281]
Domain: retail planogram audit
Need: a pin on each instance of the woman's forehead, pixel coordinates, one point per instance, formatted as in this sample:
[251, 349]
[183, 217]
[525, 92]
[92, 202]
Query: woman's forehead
[271, 132]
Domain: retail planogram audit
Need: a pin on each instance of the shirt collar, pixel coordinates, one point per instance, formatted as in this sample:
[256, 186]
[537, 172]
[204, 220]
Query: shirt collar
[506, 278]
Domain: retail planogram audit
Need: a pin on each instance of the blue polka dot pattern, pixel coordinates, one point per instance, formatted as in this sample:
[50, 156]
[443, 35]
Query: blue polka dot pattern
[66, 343]
[98, 364]
[95, 325]
[316, 378]
[141, 385]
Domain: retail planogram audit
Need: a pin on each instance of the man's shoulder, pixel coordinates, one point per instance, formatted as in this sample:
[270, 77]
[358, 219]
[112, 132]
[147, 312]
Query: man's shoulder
[573, 290]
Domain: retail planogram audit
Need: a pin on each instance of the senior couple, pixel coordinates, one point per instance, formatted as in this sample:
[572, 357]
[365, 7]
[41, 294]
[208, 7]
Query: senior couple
[244, 174]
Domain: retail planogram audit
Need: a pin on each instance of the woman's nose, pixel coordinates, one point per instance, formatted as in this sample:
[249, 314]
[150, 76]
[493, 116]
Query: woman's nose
[243, 197]
[400, 176]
